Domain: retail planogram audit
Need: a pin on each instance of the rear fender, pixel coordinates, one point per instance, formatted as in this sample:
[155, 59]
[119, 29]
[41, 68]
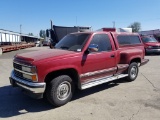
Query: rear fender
[129, 55]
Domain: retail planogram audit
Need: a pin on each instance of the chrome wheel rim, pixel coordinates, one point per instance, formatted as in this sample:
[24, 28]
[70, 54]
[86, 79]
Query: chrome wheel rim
[63, 90]
[133, 72]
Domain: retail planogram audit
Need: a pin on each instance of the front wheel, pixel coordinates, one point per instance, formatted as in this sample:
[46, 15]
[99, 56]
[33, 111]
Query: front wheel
[132, 72]
[51, 46]
[60, 90]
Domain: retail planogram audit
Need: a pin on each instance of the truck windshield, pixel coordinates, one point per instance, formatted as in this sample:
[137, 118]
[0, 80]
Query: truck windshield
[73, 42]
[149, 39]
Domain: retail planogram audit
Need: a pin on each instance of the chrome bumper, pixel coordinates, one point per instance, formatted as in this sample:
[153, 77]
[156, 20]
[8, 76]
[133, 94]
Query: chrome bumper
[29, 86]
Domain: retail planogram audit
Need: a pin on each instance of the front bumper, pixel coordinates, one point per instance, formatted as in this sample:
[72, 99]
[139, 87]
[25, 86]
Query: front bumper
[152, 51]
[26, 85]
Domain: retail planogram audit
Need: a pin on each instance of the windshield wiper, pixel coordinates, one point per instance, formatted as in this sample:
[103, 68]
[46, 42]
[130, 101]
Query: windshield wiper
[64, 47]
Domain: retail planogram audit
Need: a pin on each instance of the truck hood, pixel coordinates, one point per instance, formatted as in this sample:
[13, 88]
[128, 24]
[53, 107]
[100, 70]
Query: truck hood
[152, 44]
[43, 54]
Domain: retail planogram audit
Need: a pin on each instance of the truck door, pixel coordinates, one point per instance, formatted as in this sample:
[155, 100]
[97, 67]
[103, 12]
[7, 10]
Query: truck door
[101, 63]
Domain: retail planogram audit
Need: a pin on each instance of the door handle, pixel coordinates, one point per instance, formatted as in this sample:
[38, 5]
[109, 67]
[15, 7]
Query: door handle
[112, 56]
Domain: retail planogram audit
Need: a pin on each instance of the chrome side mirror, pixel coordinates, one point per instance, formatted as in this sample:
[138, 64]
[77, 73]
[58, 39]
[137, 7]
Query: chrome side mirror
[93, 48]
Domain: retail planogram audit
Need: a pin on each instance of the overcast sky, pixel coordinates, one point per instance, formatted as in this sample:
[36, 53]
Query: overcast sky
[35, 15]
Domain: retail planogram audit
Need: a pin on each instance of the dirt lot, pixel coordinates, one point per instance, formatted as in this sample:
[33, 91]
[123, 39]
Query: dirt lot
[138, 100]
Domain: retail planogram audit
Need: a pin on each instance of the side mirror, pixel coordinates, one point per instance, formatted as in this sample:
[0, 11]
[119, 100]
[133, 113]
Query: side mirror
[47, 33]
[93, 48]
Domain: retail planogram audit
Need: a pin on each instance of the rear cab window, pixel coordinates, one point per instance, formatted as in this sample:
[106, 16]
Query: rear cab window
[128, 40]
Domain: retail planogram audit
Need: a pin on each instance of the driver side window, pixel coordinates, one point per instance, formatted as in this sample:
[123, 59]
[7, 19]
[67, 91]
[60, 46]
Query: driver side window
[103, 42]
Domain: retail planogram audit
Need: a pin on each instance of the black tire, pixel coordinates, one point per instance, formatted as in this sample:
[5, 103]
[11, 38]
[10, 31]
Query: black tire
[51, 46]
[132, 72]
[60, 90]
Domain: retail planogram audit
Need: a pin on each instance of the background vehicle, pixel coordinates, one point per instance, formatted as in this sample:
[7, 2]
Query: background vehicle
[56, 33]
[37, 43]
[154, 33]
[151, 44]
[46, 43]
[81, 60]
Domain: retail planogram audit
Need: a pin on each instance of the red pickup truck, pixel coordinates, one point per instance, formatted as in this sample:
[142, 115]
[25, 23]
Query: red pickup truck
[81, 60]
[151, 45]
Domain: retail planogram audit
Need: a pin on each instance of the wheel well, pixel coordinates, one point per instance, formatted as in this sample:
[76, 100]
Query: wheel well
[137, 60]
[70, 72]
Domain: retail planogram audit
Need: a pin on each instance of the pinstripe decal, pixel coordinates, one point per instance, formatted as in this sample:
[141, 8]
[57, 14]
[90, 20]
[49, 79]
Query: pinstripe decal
[98, 72]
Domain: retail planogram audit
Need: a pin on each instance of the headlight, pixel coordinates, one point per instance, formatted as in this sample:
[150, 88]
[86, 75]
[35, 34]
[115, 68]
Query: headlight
[29, 73]
[30, 77]
[149, 46]
[25, 71]
[29, 69]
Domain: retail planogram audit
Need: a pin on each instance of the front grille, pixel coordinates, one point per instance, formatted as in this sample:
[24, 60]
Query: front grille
[20, 75]
[156, 47]
[17, 66]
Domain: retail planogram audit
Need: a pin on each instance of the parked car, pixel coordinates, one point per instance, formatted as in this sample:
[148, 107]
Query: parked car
[151, 45]
[38, 43]
[46, 43]
[79, 60]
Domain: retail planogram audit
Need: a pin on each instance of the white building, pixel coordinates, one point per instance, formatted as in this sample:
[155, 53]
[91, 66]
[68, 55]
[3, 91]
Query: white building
[10, 37]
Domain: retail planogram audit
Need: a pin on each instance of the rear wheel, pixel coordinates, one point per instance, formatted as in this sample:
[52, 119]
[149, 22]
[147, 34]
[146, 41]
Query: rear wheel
[60, 90]
[132, 72]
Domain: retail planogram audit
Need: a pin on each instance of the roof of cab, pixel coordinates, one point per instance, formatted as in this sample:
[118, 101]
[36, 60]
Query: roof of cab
[115, 33]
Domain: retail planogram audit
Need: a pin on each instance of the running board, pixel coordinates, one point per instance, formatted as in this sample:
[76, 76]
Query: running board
[101, 81]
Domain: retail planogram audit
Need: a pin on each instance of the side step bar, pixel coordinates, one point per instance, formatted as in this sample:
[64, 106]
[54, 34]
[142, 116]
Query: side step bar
[144, 61]
[101, 81]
